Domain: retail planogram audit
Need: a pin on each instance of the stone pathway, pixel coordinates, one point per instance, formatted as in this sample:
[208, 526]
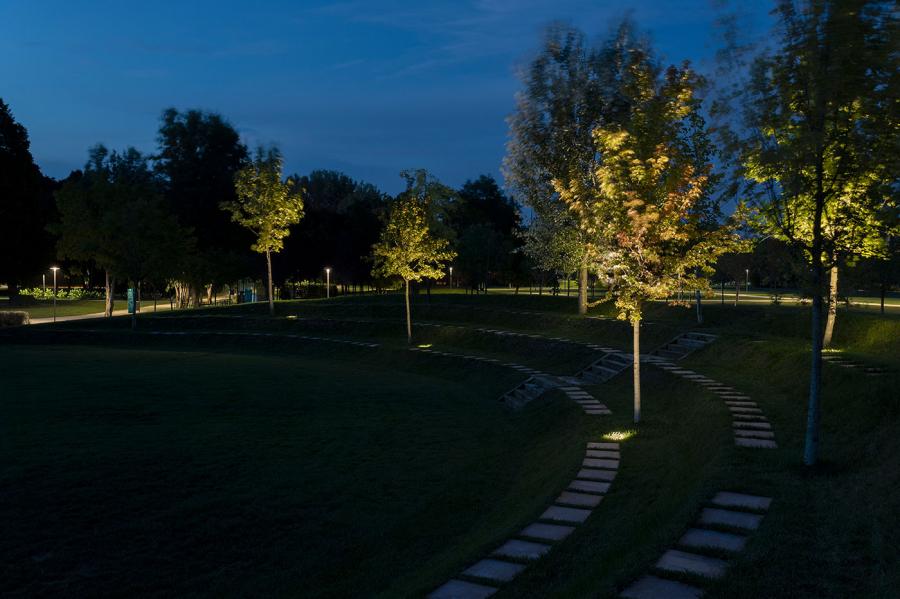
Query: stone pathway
[587, 401]
[722, 528]
[750, 426]
[573, 506]
[845, 362]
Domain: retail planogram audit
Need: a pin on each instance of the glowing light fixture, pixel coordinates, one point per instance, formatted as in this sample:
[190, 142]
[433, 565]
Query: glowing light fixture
[619, 435]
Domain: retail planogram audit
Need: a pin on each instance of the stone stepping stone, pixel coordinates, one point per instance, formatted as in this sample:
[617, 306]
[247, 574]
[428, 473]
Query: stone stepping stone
[742, 404]
[526, 550]
[593, 445]
[738, 416]
[493, 569]
[754, 502]
[756, 443]
[674, 560]
[460, 589]
[588, 402]
[721, 517]
[601, 475]
[571, 388]
[652, 587]
[752, 434]
[600, 463]
[698, 537]
[598, 412]
[740, 410]
[752, 425]
[579, 499]
[565, 514]
[547, 532]
[603, 453]
[588, 486]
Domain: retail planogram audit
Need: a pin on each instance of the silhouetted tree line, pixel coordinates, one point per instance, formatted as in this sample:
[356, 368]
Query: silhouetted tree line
[156, 221]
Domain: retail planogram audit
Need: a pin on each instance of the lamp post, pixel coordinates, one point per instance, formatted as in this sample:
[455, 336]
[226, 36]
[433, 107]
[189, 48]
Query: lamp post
[327, 282]
[54, 269]
[451, 277]
[747, 286]
[44, 283]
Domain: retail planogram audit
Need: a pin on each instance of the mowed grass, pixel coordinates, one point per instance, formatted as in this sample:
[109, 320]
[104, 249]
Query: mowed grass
[185, 471]
[44, 308]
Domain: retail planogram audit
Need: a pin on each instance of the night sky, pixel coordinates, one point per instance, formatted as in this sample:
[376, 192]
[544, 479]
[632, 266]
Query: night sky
[367, 87]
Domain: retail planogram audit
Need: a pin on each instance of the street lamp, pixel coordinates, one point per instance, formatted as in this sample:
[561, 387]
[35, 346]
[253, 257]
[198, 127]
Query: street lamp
[747, 286]
[54, 269]
[451, 277]
[327, 282]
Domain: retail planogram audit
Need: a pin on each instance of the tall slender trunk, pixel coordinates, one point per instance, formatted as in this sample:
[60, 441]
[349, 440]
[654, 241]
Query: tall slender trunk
[813, 415]
[832, 306]
[408, 315]
[699, 308]
[271, 296]
[723, 293]
[883, 293]
[636, 348]
[583, 287]
[110, 289]
[737, 291]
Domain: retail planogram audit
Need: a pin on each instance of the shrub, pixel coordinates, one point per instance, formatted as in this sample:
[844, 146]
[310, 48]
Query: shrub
[76, 293]
[13, 319]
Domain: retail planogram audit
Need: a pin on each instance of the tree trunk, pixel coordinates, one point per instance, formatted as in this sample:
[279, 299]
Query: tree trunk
[636, 348]
[737, 292]
[408, 315]
[832, 306]
[723, 293]
[699, 308]
[110, 289]
[813, 416]
[271, 296]
[883, 293]
[583, 287]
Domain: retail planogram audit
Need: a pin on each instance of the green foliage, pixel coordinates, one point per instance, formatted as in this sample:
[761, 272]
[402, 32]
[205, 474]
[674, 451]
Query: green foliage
[641, 206]
[265, 204]
[408, 249]
[73, 294]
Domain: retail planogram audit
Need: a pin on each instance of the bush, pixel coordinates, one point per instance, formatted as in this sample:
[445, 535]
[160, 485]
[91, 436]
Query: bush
[76, 293]
[13, 319]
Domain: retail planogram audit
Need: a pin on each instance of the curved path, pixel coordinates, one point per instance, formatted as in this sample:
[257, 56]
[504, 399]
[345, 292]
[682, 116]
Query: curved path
[573, 506]
[721, 528]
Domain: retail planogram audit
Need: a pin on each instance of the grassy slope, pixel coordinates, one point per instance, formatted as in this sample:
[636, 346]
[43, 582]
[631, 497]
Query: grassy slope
[192, 472]
[44, 309]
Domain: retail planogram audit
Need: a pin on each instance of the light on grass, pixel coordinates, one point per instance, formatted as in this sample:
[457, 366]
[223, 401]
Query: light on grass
[291, 317]
[619, 435]
[424, 345]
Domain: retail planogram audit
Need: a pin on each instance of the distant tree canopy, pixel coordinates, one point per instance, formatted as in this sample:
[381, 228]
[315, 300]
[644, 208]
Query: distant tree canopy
[26, 206]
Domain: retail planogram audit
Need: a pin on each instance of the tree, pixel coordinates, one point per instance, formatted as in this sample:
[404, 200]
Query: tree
[408, 248]
[819, 146]
[198, 156]
[113, 215]
[265, 205]
[643, 205]
[26, 207]
[569, 90]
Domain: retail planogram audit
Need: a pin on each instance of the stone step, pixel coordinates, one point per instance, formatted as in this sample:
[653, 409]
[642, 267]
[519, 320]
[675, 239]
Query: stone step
[738, 410]
[600, 463]
[699, 537]
[598, 412]
[493, 569]
[525, 550]
[722, 517]
[741, 404]
[756, 443]
[753, 502]
[589, 486]
[674, 560]
[558, 513]
[752, 425]
[653, 587]
[579, 499]
[547, 532]
[593, 474]
[460, 589]
[757, 417]
[751, 434]
[603, 453]
[594, 445]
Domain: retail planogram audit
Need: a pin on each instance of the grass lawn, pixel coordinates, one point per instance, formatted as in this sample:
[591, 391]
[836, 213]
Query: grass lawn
[184, 471]
[197, 465]
[44, 309]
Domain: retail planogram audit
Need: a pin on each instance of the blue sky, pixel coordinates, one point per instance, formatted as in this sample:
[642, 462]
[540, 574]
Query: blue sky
[365, 87]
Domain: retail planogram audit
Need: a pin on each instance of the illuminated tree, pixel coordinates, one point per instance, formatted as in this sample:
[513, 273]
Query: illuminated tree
[266, 205]
[820, 150]
[569, 90]
[408, 249]
[644, 205]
